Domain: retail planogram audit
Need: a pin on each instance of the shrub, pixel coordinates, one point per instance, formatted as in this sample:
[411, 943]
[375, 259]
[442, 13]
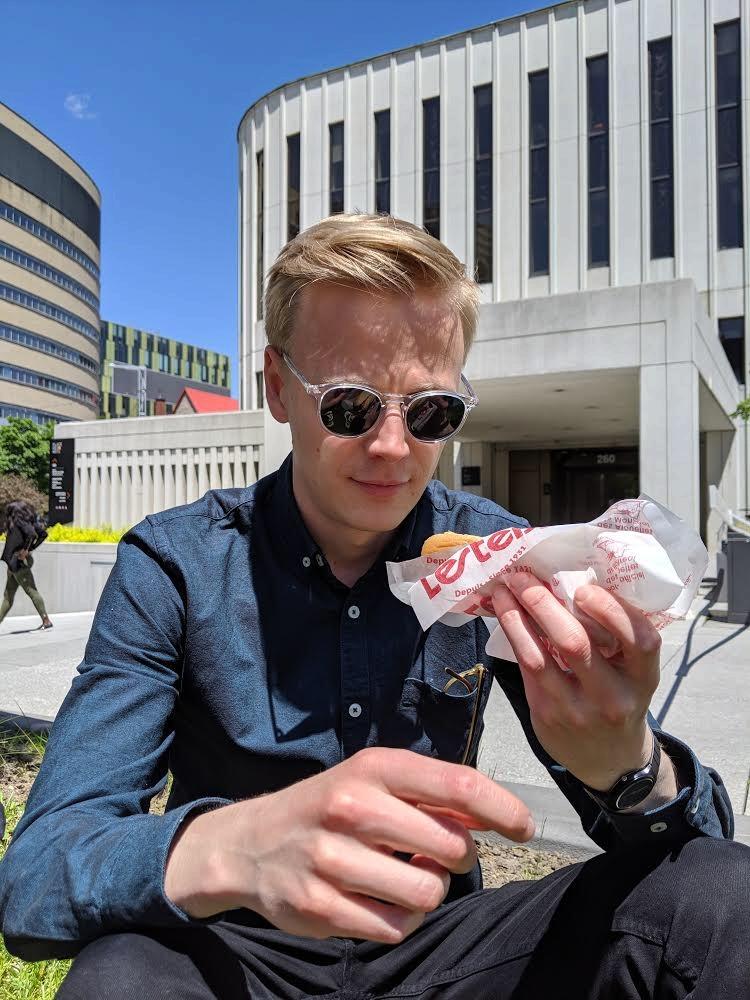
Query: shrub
[69, 533]
[15, 487]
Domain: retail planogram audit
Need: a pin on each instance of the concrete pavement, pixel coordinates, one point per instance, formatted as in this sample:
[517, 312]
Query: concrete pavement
[702, 699]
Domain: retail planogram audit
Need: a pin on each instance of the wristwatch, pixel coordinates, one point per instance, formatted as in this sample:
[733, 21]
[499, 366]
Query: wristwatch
[632, 787]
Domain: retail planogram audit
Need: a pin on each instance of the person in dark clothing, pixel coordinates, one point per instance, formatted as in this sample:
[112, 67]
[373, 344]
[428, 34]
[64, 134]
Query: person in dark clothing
[24, 532]
[317, 837]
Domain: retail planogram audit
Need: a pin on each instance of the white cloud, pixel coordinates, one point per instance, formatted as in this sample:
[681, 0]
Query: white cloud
[78, 106]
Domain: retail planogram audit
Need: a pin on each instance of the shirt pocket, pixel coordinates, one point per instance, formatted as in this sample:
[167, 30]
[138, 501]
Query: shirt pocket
[447, 724]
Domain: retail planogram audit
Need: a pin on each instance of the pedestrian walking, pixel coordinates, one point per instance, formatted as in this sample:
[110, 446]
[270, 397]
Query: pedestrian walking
[25, 531]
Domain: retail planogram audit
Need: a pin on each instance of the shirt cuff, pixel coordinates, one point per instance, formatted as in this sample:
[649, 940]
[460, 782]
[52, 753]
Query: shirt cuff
[136, 876]
[690, 814]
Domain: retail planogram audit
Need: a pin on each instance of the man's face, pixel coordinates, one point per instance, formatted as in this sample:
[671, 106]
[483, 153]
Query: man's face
[394, 344]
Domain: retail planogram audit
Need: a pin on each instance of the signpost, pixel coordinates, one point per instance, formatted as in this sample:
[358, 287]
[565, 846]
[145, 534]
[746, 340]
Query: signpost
[62, 461]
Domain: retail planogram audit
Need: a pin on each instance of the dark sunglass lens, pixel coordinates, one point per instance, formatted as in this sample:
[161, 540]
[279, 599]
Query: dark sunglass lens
[349, 411]
[436, 416]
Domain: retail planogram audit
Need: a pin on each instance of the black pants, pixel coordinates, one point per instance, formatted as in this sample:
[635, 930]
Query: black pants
[620, 926]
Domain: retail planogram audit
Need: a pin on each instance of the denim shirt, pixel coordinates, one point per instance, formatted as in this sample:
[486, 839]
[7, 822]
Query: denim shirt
[224, 649]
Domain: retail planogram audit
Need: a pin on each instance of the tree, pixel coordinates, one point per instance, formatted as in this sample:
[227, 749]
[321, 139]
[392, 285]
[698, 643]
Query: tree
[743, 410]
[24, 450]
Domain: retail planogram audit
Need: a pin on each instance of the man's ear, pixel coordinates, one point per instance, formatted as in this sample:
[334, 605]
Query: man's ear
[275, 387]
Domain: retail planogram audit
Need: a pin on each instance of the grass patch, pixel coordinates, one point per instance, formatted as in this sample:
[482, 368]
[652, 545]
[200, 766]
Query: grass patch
[20, 756]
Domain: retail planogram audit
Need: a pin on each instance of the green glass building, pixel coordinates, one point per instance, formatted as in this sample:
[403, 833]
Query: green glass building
[174, 364]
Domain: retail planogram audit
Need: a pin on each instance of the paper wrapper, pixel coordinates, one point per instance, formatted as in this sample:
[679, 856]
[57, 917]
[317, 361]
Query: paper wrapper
[638, 549]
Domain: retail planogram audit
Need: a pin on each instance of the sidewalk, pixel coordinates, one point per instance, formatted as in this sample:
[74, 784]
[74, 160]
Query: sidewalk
[703, 699]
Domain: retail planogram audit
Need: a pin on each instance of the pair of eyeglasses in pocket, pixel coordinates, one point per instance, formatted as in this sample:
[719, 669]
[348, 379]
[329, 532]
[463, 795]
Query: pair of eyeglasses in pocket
[474, 680]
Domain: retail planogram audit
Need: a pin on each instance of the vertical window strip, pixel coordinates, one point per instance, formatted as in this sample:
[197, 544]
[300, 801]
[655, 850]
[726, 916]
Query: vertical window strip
[661, 147]
[597, 96]
[729, 134]
[732, 337]
[483, 183]
[292, 185]
[539, 173]
[383, 161]
[258, 233]
[431, 166]
[336, 167]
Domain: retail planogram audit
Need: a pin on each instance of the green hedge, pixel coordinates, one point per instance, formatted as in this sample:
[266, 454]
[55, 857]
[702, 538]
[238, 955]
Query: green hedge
[67, 533]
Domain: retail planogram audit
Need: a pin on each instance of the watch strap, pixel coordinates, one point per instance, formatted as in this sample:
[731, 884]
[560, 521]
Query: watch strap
[632, 787]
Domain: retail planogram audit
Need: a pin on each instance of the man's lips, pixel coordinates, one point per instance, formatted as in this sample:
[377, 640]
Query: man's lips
[379, 487]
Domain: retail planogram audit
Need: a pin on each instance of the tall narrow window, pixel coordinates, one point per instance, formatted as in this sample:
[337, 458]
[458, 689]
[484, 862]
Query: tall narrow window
[292, 185]
[662, 168]
[259, 389]
[431, 166]
[732, 337]
[729, 134]
[336, 170]
[598, 126]
[539, 172]
[483, 183]
[382, 161]
[259, 233]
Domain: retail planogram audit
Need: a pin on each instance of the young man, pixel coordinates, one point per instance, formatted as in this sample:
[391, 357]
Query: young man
[317, 841]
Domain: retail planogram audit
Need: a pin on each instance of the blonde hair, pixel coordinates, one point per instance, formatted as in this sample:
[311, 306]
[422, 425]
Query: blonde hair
[374, 252]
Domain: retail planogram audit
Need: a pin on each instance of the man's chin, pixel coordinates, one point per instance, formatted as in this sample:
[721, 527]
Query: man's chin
[379, 513]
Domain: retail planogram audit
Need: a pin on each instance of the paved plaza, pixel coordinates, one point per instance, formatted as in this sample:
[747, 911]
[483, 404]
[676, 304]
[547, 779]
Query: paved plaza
[703, 698]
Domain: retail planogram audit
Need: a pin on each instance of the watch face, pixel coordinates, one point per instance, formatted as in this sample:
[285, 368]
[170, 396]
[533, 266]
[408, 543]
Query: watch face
[635, 793]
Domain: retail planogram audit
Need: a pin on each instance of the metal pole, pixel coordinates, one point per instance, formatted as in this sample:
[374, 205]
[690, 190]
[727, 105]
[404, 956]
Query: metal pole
[747, 507]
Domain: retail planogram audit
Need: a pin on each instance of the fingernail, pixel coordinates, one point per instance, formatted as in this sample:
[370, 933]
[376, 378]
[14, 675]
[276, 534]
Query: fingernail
[530, 828]
[582, 594]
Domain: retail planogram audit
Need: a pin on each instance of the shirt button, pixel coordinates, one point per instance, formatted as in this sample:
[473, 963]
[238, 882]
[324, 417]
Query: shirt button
[354, 611]
[658, 827]
[355, 710]
[695, 806]
[319, 559]
[306, 561]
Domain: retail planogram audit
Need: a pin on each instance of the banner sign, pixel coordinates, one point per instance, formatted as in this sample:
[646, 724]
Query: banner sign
[62, 461]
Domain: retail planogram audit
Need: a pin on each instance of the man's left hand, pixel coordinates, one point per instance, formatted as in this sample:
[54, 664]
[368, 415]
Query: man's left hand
[592, 720]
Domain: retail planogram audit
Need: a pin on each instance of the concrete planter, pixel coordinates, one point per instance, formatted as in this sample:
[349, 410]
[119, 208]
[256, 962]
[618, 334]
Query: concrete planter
[69, 575]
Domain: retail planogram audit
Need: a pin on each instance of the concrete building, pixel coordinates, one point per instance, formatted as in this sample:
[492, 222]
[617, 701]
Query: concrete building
[589, 163]
[171, 366]
[49, 278]
[125, 469]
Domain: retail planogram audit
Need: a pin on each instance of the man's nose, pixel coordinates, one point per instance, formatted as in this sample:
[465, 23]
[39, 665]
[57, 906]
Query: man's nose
[389, 440]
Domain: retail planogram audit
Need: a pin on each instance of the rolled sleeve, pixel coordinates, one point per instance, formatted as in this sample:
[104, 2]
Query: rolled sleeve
[87, 858]
[701, 808]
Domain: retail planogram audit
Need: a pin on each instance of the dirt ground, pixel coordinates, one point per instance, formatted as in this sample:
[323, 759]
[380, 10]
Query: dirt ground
[501, 863]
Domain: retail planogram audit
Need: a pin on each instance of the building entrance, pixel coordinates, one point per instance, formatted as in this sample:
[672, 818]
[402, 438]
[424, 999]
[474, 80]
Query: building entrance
[586, 482]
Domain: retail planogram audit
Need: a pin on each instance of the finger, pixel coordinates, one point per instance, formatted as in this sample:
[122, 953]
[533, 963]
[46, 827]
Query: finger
[542, 676]
[418, 779]
[607, 644]
[381, 820]
[641, 641]
[468, 821]
[354, 867]
[599, 680]
[352, 915]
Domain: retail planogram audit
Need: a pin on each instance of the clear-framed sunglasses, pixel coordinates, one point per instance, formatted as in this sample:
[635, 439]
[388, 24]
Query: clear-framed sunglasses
[348, 410]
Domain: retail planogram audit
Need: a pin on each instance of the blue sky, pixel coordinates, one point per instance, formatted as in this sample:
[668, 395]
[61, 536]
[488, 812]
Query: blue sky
[147, 97]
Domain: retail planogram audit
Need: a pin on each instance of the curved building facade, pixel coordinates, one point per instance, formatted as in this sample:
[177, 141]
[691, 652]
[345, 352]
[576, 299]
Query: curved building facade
[50, 212]
[588, 162]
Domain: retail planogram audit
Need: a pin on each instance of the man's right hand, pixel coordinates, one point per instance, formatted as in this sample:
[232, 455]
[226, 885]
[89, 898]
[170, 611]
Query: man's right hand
[317, 859]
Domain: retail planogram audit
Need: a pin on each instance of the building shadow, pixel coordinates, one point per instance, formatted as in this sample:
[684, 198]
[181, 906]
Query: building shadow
[687, 663]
